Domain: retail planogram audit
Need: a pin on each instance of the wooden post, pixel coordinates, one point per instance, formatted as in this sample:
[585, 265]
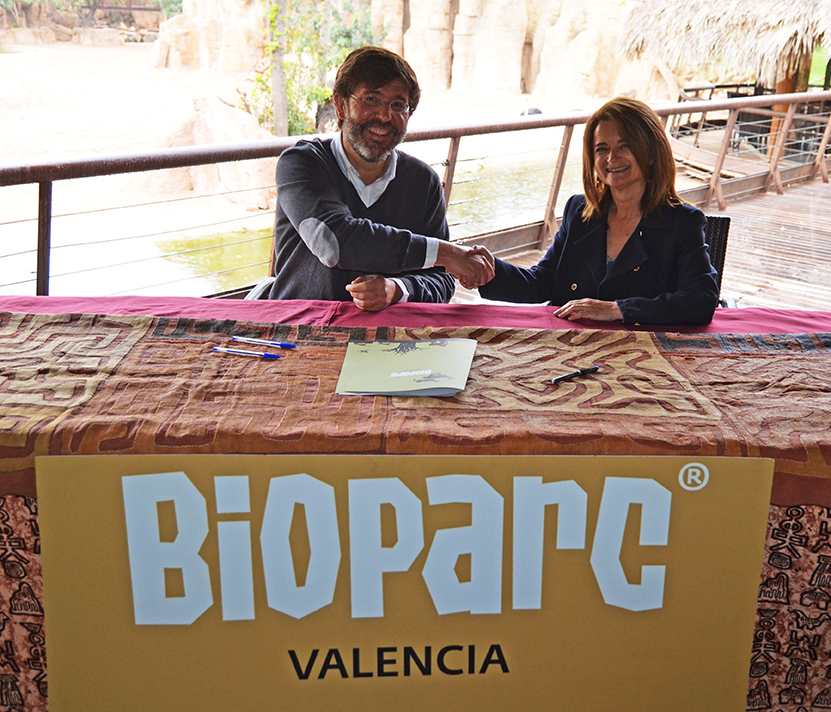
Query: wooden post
[819, 161]
[549, 223]
[786, 86]
[715, 178]
[450, 168]
[44, 238]
[779, 149]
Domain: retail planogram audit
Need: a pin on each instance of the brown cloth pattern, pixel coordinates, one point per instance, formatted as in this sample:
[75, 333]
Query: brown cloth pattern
[790, 664]
[89, 384]
[23, 683]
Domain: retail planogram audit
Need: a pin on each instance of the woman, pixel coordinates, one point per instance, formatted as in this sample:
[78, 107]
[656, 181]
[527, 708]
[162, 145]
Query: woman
[629, 249]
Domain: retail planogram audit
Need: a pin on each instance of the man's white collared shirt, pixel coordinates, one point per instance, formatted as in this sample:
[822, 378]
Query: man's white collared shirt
[369, 194]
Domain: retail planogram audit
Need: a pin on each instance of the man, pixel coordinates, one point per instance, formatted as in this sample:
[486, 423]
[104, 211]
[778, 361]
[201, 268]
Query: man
[357, 219]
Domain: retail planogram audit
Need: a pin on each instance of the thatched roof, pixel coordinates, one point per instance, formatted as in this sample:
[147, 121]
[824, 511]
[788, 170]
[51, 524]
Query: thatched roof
[768, 37]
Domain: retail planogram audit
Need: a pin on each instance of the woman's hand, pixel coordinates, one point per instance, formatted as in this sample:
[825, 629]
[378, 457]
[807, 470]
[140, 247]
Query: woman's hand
[594, 309]
[373, 292]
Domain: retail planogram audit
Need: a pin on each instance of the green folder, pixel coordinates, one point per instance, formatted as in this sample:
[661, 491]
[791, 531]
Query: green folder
[433, 367]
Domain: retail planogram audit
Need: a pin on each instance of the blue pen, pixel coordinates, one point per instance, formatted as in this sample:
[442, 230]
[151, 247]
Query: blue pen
[241, 352]
[264, 342]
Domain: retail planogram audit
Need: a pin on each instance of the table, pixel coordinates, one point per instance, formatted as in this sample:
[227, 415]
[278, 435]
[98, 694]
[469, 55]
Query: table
[754, 320]
[137, 375]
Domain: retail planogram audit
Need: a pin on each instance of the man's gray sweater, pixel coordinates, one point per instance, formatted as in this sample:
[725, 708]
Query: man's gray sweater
[325, 237]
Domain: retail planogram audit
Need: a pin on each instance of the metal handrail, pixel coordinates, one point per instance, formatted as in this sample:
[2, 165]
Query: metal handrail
[44, 174]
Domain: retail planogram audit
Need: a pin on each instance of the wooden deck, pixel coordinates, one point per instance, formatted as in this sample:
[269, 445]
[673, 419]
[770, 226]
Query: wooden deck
[779, 250]
[778, 253]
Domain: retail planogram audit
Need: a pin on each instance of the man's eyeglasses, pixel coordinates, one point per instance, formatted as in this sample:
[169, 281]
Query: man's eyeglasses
[375, 103]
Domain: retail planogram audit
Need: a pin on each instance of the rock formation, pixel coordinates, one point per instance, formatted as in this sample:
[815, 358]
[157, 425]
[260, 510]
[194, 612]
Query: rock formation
[227, 35]
[554, 50]
[488, 42]
[390, 21]
[428, 42]
[214, 122]
[43, 22]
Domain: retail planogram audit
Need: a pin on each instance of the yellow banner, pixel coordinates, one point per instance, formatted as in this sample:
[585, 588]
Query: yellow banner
[321, 583]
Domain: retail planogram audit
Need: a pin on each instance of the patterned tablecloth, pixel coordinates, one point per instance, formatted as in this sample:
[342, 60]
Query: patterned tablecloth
[89, 384]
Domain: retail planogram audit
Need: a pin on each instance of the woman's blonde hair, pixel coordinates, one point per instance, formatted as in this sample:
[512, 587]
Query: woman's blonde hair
[644, 133]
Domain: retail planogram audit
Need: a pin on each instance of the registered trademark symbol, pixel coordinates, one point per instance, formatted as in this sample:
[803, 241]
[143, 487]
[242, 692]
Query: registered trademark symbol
[694, 476]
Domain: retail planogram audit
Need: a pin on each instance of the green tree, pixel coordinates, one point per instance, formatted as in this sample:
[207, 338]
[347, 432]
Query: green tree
[307, 40]
[15, 8]
[170, 7]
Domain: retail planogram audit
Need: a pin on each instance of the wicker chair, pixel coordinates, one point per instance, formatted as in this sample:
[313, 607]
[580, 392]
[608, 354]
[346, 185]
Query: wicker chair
[715, 235]
[261, 289]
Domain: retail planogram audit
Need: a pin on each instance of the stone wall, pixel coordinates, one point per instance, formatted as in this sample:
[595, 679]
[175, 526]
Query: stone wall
[227, 35]
[428, 42]
[390, 20]
[42, 22]
[554, 50]
[551, 48]
[488, 41]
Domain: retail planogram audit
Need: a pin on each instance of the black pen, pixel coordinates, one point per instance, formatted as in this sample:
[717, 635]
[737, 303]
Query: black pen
[576, 374]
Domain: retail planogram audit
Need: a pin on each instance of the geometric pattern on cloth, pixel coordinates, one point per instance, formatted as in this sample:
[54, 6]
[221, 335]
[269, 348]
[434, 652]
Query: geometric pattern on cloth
[51, 364]
[512, 372]
[89, 384]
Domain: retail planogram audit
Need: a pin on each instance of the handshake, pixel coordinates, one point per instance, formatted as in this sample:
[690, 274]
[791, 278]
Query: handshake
[472, 266]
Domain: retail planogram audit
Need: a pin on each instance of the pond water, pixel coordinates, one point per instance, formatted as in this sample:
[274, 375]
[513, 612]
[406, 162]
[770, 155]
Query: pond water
[490, 192]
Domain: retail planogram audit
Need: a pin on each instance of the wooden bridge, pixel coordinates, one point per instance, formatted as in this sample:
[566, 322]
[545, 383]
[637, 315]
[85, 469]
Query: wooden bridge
[779, 251]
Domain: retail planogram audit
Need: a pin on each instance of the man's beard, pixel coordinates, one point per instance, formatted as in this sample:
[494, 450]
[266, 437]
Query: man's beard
[366, 149]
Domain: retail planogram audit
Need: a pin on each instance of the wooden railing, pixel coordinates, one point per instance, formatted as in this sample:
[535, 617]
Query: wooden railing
[776, 171]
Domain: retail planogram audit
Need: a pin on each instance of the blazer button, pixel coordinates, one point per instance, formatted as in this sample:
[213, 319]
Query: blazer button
[573, 287]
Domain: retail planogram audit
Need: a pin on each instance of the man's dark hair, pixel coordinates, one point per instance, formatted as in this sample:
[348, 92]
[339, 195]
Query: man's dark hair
[376, 67]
